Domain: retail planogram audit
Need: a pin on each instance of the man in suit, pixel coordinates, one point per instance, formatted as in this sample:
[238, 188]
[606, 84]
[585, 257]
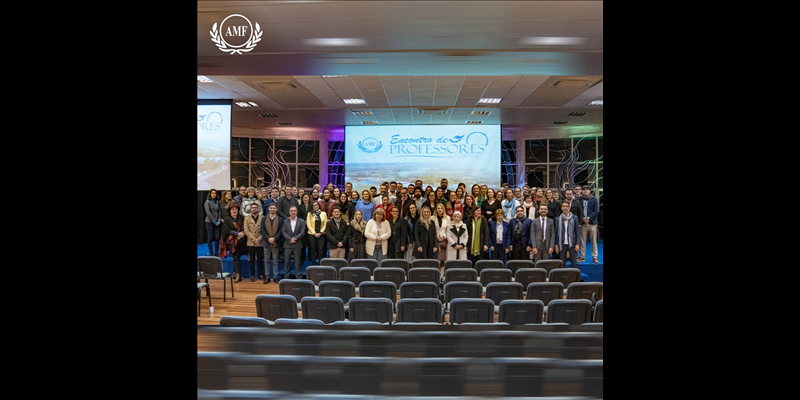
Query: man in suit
[499, 238]
[520, 228]
[543, 235]
[336, 232]
[591, 207]
[286, 202]
[567, 235]
[271, 226]
[293, 230]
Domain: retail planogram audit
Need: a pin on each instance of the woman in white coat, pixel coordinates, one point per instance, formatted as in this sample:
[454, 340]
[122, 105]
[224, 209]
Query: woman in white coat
[378, 231]
[457, 239]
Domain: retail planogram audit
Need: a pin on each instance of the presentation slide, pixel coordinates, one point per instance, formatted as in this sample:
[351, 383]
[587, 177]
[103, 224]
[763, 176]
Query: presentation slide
[213, 146]
[405, 153]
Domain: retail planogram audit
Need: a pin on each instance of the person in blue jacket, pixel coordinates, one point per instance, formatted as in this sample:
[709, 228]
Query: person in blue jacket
[591, 207]
[499, 238]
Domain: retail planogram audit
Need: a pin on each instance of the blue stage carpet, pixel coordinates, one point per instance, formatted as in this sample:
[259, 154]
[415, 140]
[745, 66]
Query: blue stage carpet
[593, 271]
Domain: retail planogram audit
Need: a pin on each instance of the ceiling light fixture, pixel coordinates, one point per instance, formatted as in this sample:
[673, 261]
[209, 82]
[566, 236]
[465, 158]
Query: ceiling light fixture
[552, 41]
[489, 100]
[596, 103]
[354, 101]
[335, 42]
[204, 79]
[243, 104]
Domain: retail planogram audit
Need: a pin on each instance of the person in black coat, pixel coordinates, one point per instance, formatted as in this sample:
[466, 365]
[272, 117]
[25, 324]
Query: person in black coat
[234, 241]
[481, 236]
[425, 236]
[336, 232]
[399, 239]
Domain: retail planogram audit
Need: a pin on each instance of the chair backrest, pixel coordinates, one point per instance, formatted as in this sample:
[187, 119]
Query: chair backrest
[515, 265]
[572, 312]
[459, 290]
[355, 274]
[489, 275]
[460, 275]
[424, 275]
[325, 309]
[419, 310]
[584, 290]
[419, 290]
[365, 262]
[457, 264]
[480, 265]
[471, 310]
[371, 309]
[209, 266]
[396, 263]
[391, 274]
[298, 288]
[528, 275]
[544, 291]
[564, 275]
[275, 306]
[244, 321]
[425, 263]
[499, 291]
[337, 263]
[348, 322]
[597, 315]
[521, 312]
[319, 273]
[378, 289]
[549, 264]
[342, 289]
[287, 321]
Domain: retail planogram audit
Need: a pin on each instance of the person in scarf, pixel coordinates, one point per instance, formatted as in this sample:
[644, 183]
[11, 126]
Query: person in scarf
[271, 232]
[457, 237]
[478, 243]
[249, 199]
[454, 205]
[252, 228]
[316, 221]
[568, 235]
[531, 209]
[213, 221]
[520, 228]
[509, 205]
[442, 222]
[234, 238]
[344, 207]
[355, 236]
[425, 236]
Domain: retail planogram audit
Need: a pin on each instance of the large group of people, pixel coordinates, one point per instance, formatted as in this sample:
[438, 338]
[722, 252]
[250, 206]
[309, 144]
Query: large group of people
[281, 225]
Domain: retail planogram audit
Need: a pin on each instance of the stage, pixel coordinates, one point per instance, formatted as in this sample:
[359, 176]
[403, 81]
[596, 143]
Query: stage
[593, 271]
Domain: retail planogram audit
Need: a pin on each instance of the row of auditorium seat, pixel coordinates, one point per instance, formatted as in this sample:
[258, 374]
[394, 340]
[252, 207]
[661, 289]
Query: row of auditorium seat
[382, 376]
[277, 395]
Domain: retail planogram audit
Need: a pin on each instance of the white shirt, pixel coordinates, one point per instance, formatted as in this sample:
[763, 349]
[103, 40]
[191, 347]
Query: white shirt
[499, 233]
[293, 223]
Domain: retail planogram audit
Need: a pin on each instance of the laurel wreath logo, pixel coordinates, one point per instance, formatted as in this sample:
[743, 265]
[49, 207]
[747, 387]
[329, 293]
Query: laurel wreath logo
[216, 37]
[361, 146]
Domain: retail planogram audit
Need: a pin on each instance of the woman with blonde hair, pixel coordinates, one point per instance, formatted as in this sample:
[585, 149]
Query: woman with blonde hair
[442, 223]
[355, 236]
[377, 233]
[425, 236]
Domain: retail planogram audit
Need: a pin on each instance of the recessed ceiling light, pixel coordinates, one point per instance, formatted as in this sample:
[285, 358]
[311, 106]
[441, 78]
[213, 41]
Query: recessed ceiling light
[474, 122]
[243, 104]
[285, 123]
[560, 122]
[334, 76]
[552, 41]
[488, 100]
[369, 122]
[481, 112]
[576, 114]
[268, 115]
[596, 103]
[252, 104]
[362, 113]
[201, 78]
[354, 101]
[335, 42]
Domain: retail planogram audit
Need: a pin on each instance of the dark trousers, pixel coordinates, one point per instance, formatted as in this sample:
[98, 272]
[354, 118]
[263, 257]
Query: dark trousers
[298, 261]
[520, 252]
[213, 237]
[271, 257]
[316, 248]
[256, 258]
[499, 253]
[573, 256]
